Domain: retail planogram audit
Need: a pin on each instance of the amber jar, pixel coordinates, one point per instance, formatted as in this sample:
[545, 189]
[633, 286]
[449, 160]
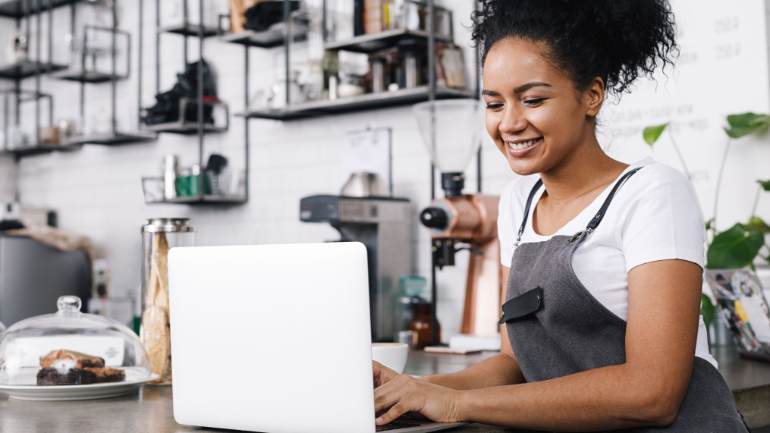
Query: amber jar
[422, 324]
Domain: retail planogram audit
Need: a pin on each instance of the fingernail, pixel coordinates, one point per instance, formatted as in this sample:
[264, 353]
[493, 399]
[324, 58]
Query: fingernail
[378, 420]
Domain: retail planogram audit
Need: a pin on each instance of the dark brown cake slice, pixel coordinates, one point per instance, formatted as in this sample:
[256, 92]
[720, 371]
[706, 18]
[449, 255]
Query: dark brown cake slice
[108, 374]
[75, 376]
[79, 376]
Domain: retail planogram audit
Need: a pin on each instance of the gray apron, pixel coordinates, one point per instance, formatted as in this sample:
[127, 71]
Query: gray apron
[556, 327]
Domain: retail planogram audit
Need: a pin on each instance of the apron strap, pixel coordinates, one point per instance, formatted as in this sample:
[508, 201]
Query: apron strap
[603, 210]
[532, 193]
[593, 224]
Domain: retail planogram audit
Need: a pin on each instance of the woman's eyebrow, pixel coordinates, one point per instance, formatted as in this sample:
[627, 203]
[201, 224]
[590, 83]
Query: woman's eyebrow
[518, 90]
[524, 87]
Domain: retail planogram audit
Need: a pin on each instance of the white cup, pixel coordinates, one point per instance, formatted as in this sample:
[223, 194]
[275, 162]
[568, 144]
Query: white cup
[391, 355]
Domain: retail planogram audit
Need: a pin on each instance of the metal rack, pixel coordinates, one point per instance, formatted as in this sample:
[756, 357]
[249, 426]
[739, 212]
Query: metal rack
[23, 12]
[363, 44]
[114, 137]
[199, 128]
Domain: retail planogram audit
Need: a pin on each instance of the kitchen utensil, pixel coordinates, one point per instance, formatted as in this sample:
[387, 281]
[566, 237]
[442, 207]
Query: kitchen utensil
[363, 184]
[158, 236]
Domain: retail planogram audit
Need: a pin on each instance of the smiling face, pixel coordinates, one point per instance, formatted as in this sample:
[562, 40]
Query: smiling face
[534, 113]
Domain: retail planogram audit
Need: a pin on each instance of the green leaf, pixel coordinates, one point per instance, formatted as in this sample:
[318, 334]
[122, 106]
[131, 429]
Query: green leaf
[765, 184]
[758, 224]
[734, 248]
[740, 125]
[706, 309]
[651, 134]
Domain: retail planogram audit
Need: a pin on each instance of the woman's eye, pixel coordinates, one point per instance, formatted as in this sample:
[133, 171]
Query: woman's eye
[533, 102]
[494, 105]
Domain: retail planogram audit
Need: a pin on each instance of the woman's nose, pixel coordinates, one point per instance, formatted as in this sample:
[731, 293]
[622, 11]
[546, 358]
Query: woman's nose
[513, 121]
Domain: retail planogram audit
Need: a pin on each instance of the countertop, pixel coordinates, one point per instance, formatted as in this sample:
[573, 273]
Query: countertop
[150, 409]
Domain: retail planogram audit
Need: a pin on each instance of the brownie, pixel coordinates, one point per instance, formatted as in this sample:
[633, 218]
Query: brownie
[81, 360]
[79, 376]
[75, 376]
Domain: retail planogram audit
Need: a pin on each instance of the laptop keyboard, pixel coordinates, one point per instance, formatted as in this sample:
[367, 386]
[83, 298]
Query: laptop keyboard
[397, 424]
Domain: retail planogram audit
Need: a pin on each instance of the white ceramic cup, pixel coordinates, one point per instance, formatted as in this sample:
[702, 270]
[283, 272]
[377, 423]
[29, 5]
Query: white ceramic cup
[391, 355]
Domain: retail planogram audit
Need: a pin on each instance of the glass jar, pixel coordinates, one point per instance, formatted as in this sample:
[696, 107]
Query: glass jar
[71, 348]
[423, 325]
[159, 235]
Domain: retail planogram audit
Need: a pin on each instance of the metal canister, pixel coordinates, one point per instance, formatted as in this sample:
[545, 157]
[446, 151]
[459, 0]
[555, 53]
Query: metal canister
[159, 235]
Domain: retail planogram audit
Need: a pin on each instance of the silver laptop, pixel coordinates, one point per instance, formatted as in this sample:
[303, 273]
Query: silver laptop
[274, 338]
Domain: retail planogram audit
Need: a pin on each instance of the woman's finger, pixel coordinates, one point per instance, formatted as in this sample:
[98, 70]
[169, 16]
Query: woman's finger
[390, 393]
[396, 411]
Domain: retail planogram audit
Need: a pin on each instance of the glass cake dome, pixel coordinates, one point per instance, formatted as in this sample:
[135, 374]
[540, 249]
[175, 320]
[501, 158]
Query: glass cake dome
[71, 348]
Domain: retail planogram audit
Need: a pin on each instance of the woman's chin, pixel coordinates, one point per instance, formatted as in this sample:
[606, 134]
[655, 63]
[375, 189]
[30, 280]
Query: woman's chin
[524, 168]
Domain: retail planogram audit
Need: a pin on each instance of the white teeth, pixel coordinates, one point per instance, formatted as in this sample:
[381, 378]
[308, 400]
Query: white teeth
[523, 145]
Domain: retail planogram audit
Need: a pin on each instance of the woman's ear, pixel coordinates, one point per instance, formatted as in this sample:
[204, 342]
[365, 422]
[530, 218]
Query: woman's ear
[594, 97]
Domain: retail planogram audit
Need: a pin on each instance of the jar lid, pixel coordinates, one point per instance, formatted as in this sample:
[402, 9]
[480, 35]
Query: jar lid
[71, 348]
[167, 225]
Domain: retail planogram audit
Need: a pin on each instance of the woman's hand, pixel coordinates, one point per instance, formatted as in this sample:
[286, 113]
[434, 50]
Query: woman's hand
[402, 393]
[381, 374]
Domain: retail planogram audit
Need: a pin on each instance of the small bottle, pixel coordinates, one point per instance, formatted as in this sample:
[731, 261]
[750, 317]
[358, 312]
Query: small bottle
[170, 168]
[423, 325]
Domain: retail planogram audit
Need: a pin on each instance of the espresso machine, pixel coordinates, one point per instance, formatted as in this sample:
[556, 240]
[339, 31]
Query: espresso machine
[383, 225]
[451, 130]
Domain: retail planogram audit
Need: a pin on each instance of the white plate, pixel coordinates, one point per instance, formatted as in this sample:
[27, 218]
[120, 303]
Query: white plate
[78, 392]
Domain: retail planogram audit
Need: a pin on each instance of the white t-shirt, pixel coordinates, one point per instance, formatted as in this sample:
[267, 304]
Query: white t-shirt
[654, 216]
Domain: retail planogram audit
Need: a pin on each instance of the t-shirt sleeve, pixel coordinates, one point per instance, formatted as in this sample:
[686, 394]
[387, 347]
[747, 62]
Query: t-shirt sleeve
[505, 226]
[665, 222]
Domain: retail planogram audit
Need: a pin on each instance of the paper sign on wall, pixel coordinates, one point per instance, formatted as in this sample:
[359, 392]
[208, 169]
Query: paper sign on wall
[369, 150]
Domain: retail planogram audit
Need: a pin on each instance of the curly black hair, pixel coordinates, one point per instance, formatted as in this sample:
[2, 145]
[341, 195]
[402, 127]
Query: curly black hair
[617, 40]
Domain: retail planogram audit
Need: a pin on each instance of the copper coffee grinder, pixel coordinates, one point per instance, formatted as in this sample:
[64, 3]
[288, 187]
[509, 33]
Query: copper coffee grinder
[451, 130]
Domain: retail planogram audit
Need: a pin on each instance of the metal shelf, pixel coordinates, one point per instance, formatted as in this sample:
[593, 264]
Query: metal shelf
[369, 101]
[184, 128]
[42, 149]
[87, 76]
[377, 41]
[266, 39]
[117, 138]
[204, 200]
[190, 30]
[28, 68]
[13, 8]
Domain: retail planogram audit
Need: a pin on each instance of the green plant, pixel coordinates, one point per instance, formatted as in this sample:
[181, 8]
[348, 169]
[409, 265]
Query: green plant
[740, 245]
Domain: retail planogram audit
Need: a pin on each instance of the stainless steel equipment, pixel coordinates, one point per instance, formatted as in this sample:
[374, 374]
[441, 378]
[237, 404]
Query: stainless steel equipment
[33, 276]
[383, 225]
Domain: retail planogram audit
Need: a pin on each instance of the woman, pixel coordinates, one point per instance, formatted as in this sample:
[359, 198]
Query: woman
[603, 260]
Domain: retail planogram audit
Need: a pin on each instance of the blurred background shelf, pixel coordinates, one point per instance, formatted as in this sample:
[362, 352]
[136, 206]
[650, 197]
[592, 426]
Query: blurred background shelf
[28, 68]
[190, 30]
[378, 41]
[204, 200]
[184, 128]
[86, 76]
[266, 39]
[369, 101]
[41, 150]
[117, 138]
[22, 8]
